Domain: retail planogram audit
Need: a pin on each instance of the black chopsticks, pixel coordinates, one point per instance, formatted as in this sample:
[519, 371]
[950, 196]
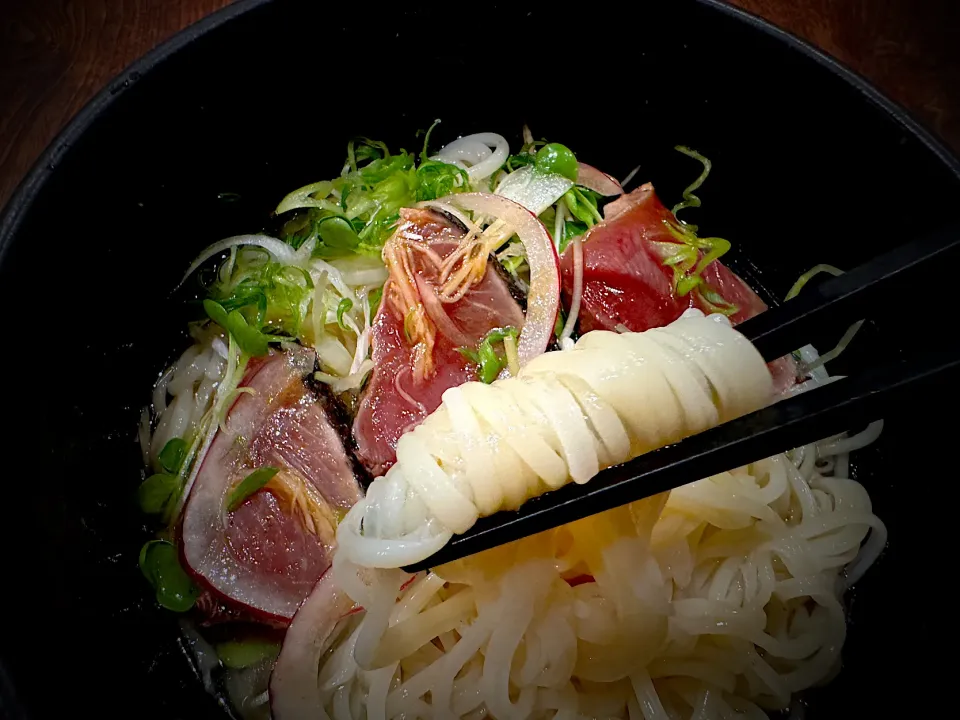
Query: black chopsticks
[792, 422]
[833, 305]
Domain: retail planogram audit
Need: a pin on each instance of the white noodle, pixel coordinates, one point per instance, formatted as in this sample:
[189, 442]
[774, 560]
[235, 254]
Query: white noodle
[698, 654]
[848, 445]
[711, 601]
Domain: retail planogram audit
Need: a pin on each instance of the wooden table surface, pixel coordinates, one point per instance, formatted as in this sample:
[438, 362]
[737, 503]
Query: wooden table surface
[56, 54]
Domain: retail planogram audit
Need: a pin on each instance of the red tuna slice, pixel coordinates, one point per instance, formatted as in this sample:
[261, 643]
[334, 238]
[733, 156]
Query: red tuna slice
[266, 556]
[626, 284]
[394, 400]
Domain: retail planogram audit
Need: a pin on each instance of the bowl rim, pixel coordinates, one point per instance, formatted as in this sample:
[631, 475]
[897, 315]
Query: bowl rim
[30, 186]
[32, 183]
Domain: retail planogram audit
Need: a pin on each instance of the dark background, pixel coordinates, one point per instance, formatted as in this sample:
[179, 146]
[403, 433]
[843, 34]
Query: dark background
[55, 54]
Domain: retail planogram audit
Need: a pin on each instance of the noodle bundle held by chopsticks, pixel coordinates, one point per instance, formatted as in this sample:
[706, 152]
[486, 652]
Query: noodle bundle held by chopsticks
[566, 416]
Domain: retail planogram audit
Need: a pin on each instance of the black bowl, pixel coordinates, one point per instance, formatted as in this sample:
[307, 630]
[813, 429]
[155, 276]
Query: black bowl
[811, 165]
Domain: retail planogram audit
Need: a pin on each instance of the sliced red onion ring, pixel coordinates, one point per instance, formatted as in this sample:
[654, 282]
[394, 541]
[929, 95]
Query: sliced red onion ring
[543, 300]
[434, 308]
[294, 690]
[593, 179]
[536, 191]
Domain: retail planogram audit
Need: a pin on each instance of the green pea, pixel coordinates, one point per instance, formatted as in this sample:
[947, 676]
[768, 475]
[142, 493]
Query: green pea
[559, 159]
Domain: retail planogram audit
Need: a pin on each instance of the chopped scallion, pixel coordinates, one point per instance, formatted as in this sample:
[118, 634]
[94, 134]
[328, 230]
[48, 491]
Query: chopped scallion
[689, 199]
[249, 485]
[344, 306]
